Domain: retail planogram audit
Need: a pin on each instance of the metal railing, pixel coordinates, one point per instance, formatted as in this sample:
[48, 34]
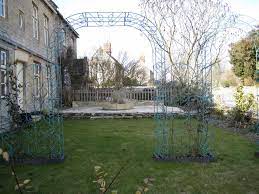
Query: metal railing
[105, 94]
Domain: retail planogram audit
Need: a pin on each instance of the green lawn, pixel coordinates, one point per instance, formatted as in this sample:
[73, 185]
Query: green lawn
[111, 143]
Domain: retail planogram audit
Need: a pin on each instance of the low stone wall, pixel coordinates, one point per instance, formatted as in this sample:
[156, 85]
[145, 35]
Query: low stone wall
[107, 115]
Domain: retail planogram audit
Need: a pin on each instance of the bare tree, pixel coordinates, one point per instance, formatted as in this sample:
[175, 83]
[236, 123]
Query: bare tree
[193, 33]
[102, 69]
[133, 70]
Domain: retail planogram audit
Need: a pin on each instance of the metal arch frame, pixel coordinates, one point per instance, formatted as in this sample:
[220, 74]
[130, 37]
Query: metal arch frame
[143, 24]
[164, 148]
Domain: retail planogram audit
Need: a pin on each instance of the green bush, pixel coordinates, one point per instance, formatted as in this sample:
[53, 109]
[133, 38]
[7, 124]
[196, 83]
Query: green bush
[244, 103]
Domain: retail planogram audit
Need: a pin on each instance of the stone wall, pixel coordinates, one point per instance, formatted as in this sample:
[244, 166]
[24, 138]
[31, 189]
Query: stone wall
[25, 51]
[23, 37]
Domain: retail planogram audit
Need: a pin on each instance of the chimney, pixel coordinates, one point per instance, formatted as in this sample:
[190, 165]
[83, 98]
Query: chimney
[108, 48]
[142, 59]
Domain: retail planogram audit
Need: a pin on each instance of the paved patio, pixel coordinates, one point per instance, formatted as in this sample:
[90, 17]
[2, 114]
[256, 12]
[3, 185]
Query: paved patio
[148, 109]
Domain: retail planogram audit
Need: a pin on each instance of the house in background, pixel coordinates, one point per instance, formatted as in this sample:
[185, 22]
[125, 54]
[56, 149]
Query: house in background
[27, 33]
[107, 71]
[104, 69]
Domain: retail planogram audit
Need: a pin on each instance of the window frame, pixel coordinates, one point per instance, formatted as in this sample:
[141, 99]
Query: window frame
[2, 5]
[21, 19]
[3, 68]
[46, 30]
[63, 37]
[35, 21]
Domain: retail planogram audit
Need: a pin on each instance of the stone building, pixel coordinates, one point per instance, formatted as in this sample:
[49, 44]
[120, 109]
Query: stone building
[104, 69]
[107, 71]
[33, 33]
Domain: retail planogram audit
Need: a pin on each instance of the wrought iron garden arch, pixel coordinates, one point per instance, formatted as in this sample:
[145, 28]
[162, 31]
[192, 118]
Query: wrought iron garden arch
[151, 32]
[162, 116]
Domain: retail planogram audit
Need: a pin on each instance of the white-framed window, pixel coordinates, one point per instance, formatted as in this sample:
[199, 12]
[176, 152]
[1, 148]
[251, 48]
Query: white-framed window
[46, 30]
[37, 79]
[35, 22]
[21, 20]
[3, 69]
[2, 8]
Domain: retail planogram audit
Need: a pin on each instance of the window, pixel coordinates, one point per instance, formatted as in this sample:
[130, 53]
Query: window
[46, 30]
[35, 22]
[21, 20]
[2, 8]
[37, 77]
[63, 37]
[72, 42]
[3, 68]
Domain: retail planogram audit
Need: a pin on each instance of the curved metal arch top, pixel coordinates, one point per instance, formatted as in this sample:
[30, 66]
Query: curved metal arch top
[111, 19]
[126, 19]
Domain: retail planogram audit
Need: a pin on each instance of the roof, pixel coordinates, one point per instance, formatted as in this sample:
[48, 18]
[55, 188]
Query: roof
[53, 7]
[101, 52]
[68, 24]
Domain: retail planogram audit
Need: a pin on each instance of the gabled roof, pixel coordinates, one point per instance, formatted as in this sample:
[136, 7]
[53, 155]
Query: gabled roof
[100, 52]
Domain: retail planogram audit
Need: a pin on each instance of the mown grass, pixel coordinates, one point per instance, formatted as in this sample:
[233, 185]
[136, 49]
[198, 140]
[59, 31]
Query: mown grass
[112, 143]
